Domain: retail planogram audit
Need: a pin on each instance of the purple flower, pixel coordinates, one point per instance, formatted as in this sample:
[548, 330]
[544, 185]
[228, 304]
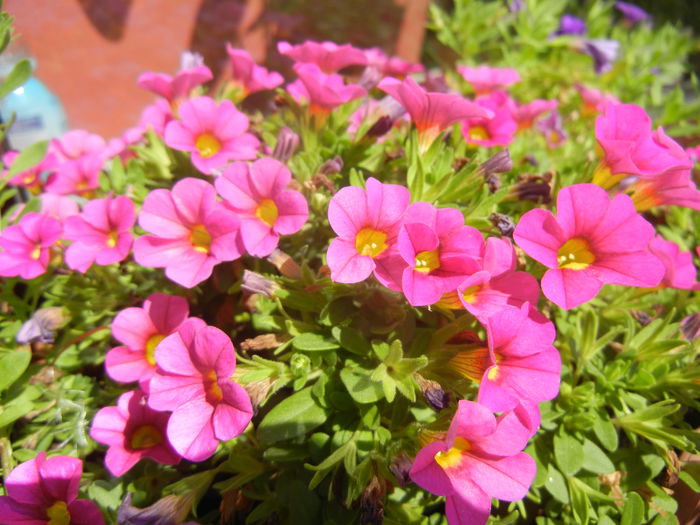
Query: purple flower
[570, 25]
[632, 13]
[604, 52]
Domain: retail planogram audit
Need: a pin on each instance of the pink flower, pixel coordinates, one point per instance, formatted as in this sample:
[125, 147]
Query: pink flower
[431, 112]
[58, 206]
[250, 76]
[195, 365]
[76, 177]
[213, 133]
[266, 209]
[438, 251]
[78, 143]
[367, 222]
[592, 241]
[192, 232]
[100, 234]
[390, 66]
[498, 130]
[323, 92]
[526, 114]
[30, 179]
[674, 188]
[141, 330]
[479, 459]
[485, 79]
[594, 101]
[178, 87]
[693, 153]
[44, 491]
[680, 271]
[156, 117]
[132, 431]
[328, 56]
[26, 246]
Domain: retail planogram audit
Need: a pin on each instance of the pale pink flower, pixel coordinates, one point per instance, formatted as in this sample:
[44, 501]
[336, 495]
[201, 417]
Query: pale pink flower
[328, 56]
[177, 87]
[248, 75]
[132, 431]
[193, 380]
[78, 143]
[526, 114]
[391, 66]
[44, 491]
[258, 194]
[323, 92]
[192, 232]
[156, 116]
[214, 133]
[485, 79]
[26, 246]
[100, 234]
[58, 207]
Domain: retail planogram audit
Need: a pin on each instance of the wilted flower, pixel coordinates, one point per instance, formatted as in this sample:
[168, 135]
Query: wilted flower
[40, 327]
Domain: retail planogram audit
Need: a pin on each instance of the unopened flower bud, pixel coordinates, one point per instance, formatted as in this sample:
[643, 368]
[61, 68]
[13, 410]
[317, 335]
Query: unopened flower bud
[334, 165]
[169, 510]
[285, 264]
[381, 127]
[287, 143]
[401, 467]
[433, 393]
[499, 163]
[690, 326]
[257, 283]
[41, 326]
[505, 224]
[372, 503]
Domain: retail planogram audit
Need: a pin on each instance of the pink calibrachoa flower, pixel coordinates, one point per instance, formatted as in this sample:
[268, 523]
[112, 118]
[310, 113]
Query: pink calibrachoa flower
[100, 234]
[675, 188]
[141, 330]
[44, 491]
[594, 101]
[258, 194]
[526, 114]
[78, 143]
[593, 240]
[248, 75]
[391, 66]
[59, 207]
[156, 117]
[485, 79]
[480, 458]
[367, 222]
[26, 246]
[76, 177]
[328, 56]
[214, 134]
[680, 271]
[431, 112]
[193, 380]
[30, 179]
[177, 87]
[323, 92]
[192, 232]
[132, 431]
[499, 130]
[438, 250]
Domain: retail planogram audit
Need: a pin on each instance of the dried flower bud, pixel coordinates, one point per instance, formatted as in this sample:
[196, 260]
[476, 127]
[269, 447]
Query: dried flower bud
[170, 510]
[493, 181]
[505, 224]
[690, 326]
[433, 393]
[641, 317]
[287, 143]
[533, 188]
[334, 165]
[285, 264]
[381, 127]
[499, 163]
[372, 503]
[320, 180]
[401, 467]
[261, 342]
[257, 283]
[41, 326]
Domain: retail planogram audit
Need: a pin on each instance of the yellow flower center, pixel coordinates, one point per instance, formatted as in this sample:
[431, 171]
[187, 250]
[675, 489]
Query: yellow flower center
[603, 177]
[145, 436]
[478, 133]
[575, 254]
[469, 295]
[370, 242]
[112, 238]
[471, 363]
[36, 252]
[427, 261]
[151, 345]
[267, 212]
[212, 388]
[200, 238]
[453, 457]
[58, 514]
[207, 145]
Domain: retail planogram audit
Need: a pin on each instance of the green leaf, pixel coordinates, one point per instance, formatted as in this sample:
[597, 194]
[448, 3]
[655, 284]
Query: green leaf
[568, 452]
[293, 417]
[606, 433]
[556, 484]
[633, 511]
[28, 158]
[310, 342]
[595, 460]
[350, 339]
[18, 76]
[690, 475]
[579, 503]
[12, 366]
[360, 386]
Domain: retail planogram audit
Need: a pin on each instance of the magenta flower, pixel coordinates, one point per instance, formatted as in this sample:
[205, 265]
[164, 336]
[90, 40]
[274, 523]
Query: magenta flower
[367, 222]
[390, 66]
[248, 75]
[58, 207]
[30, 179]
[499, 130]
[177, 87]
[485, 79]
[431, 112]
[44, 492]
[78, 143]
[76, 177]
[100, 234]
[132, 431]
[680, 270]
[141, 330]
[479, 459]
[323, 92]
[526, 114]
[438, 251]
[213, 133]
[675, 188]
[593, 240]
[26, 246]
[594, 101]
[328, 56]
[266, 209]
[156, 117]
[192, 232]
[193, 380]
